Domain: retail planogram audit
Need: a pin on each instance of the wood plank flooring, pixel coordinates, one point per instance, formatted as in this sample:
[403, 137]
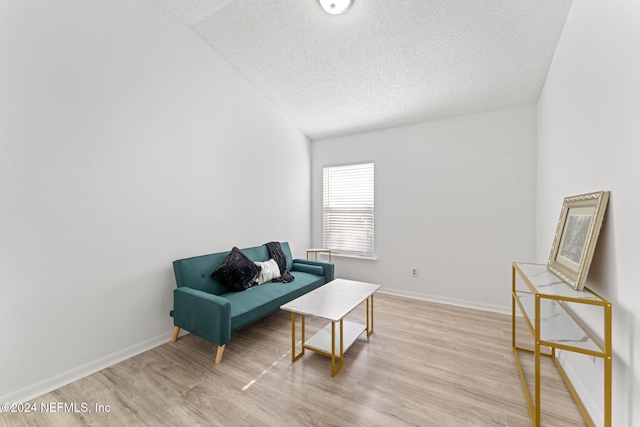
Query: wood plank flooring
[427, 364]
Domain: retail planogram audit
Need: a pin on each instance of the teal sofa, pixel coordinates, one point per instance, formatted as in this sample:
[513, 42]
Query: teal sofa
[206, 308]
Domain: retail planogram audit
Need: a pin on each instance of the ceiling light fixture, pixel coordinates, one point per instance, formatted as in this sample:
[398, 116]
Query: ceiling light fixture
[335, 7]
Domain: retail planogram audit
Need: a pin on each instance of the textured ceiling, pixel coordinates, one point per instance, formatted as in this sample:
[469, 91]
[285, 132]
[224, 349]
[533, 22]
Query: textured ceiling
[382, 63]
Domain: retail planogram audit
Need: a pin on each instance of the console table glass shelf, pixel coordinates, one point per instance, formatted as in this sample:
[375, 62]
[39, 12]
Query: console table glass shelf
[545, 301]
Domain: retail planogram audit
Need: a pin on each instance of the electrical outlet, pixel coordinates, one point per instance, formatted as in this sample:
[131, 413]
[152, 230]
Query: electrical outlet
[414, 271]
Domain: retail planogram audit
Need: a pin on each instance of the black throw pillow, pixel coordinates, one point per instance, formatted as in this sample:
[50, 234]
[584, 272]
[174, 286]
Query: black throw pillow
[237, 272]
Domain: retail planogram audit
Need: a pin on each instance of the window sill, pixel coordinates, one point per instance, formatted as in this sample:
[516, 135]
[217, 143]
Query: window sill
[335, 255]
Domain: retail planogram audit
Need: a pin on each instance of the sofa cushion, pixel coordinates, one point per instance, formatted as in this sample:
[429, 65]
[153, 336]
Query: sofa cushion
[257, 253]
[260, 301]
[287, 254]
[269, 271]
[237, 272]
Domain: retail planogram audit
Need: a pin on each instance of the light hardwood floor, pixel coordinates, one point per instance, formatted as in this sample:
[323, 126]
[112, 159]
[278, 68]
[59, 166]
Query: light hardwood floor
[426, 364]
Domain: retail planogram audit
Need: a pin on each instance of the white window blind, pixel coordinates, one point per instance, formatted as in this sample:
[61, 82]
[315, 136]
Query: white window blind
[348, 209]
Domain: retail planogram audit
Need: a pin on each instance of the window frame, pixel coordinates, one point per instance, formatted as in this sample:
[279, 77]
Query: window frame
[362, 215]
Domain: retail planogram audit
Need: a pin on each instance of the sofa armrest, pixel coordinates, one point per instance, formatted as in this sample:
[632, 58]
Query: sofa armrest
[203, 314]
[327, 267]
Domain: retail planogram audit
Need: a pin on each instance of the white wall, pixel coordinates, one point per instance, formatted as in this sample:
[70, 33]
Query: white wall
[125, 143]
[453, 197]
[589, 140]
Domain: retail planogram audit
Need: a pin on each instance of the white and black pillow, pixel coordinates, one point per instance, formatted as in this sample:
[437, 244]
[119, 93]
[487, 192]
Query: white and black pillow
[269, 271]
[237, 272]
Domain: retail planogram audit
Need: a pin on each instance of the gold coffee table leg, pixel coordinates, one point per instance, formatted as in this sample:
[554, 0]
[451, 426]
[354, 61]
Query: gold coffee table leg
[369, 317]
[336, 368]
[295, 356]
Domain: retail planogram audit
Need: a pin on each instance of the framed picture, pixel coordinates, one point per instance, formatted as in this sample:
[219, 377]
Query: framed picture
[576, 236]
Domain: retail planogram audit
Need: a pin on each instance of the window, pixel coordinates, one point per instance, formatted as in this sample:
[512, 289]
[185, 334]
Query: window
[347, 209]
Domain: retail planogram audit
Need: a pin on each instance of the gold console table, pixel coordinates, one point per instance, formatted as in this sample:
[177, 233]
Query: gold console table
[316, 251]
[547, 300]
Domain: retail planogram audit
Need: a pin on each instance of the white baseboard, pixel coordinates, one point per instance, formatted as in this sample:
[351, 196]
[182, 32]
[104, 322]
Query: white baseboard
[31, 392]
[448, 301]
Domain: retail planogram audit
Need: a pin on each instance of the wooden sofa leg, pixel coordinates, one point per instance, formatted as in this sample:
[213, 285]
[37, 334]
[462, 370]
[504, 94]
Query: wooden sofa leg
[176, 331]
[219, 354]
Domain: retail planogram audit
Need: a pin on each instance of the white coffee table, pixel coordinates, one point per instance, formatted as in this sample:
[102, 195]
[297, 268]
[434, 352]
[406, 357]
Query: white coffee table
[332, 302]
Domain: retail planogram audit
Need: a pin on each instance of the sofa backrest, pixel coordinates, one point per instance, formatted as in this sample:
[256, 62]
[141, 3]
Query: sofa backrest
[195, 272]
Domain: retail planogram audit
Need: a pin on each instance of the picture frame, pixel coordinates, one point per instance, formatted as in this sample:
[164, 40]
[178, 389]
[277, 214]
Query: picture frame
[576, 236]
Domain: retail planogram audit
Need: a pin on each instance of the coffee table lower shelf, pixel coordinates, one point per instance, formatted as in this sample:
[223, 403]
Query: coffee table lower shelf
[321, 341]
